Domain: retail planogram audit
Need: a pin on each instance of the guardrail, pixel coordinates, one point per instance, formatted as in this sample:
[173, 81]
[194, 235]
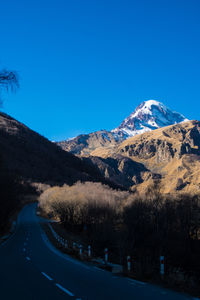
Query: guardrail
[86, 252]
[75, 246]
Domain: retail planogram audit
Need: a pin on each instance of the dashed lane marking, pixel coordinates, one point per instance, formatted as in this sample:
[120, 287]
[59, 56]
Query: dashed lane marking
[47, 276]
[99, 269]
[64, 290]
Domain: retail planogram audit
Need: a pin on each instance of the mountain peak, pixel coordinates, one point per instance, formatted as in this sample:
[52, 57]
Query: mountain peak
[149, 103]
[149, 115]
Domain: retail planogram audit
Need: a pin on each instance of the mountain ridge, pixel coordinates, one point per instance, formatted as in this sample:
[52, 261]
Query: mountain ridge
[149, 115]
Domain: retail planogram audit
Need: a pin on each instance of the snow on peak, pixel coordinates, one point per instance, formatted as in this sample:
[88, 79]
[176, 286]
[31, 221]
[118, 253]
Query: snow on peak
[149, 115]
[152, 102]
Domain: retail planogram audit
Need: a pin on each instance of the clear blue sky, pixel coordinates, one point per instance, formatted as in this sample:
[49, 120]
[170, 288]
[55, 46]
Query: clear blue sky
[86, 64]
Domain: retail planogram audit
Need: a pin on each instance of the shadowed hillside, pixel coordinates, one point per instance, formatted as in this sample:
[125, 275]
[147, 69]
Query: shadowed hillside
[32, 157]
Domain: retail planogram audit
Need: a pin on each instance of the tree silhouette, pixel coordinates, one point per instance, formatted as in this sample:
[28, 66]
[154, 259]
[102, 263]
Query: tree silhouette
[9, 81]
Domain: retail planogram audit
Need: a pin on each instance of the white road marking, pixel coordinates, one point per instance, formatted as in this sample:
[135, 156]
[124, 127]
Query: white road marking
[64, 290]
[99, 269]
[47, 276]
[28, 258]
[136, 281]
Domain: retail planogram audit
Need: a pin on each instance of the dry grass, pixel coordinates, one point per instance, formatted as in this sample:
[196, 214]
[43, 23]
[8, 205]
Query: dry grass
[80, 196]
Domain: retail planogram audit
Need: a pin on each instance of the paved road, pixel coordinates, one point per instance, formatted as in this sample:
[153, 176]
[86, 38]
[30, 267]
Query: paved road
[30, 268]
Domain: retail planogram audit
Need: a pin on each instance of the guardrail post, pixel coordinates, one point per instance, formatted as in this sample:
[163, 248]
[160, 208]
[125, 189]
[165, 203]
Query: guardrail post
[128, 263]
[106, 255]
[162, 266]
[80, 250]
[89, 251]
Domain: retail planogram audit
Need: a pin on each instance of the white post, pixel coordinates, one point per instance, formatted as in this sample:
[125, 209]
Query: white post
[80, 250]
[162, 266]
[89, 251]
[128, 263]
[106, 255]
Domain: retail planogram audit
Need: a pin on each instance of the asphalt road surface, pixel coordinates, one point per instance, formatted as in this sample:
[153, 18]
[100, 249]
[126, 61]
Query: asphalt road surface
[31, 268]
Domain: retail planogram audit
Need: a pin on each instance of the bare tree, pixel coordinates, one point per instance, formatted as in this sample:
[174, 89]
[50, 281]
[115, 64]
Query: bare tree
[9, 81]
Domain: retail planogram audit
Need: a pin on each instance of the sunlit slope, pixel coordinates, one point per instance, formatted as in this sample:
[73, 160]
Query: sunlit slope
[171, 154]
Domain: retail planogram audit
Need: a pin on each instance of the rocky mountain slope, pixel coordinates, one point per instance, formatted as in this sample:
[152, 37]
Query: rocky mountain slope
[84, 144]
[148, 116]
[170, 154]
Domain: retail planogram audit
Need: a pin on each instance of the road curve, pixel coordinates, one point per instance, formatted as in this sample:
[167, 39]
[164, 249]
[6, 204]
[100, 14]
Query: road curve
[32, 269]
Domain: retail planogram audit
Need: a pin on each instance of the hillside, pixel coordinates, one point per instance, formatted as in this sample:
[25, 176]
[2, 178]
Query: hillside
[84, 144]
[171, 154]
[33, 158]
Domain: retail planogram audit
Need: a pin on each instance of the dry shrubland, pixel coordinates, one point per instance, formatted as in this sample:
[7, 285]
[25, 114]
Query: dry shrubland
[73, 204]
[92, 208]
[127, 224]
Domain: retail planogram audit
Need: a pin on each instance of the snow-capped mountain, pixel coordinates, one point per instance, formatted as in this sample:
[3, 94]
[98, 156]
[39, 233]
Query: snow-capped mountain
[149, 115]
